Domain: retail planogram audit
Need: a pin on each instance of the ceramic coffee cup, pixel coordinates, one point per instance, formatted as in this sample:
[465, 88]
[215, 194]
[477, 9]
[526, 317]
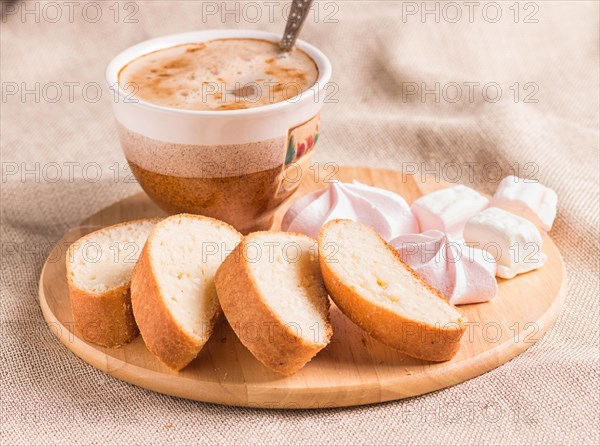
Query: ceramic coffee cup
[235, 165]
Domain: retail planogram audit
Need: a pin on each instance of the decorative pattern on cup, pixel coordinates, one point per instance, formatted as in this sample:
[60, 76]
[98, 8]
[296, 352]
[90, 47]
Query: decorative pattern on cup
[302, 140]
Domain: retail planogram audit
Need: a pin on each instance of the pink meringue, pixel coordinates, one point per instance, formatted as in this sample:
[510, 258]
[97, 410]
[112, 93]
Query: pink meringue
[385, 211]
[449, 209]
[514, 241]
[528, 199]
[463, 275]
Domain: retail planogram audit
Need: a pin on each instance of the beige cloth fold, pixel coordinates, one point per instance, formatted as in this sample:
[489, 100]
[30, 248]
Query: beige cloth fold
[61, 161]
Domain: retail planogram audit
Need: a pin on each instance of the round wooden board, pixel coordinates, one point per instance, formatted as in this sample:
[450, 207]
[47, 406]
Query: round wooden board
[354, 369]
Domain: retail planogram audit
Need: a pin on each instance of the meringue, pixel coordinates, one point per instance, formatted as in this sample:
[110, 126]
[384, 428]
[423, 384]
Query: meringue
[448, 210]
[528, 199]
[514, 241]
[385, 211]
[463, 275]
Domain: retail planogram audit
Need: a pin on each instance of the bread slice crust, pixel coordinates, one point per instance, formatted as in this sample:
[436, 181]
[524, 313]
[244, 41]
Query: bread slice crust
[104, 319]
[161, 332]
[269, 339]
[107, 319]
[414, 338]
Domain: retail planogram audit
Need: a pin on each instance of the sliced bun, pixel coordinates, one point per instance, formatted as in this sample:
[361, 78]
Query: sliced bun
[172, 287]
[99, 269]
[272, 293]
[368, 281]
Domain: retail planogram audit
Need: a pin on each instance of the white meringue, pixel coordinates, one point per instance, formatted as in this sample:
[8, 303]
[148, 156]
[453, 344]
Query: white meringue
[385, 211]
[448, 210]
[464, 276]
[514, 241]
[528, 199]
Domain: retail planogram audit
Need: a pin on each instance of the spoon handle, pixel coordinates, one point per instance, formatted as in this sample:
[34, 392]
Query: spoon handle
[298, 14]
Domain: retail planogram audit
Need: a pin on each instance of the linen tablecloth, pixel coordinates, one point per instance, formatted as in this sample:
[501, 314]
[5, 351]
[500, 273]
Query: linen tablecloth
[491, 87]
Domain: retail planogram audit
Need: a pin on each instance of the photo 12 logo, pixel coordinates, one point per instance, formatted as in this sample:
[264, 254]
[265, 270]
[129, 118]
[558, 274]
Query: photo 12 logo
[265, 11]
[70, 11]
[52, 92]
[469, 92]
[470, 12]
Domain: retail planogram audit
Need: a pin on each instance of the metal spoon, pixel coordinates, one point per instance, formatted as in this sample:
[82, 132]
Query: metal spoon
[296, 18]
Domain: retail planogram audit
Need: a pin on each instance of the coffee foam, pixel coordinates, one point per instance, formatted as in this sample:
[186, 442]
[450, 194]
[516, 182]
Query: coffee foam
[223, 74]
[201, 161]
